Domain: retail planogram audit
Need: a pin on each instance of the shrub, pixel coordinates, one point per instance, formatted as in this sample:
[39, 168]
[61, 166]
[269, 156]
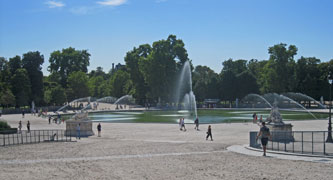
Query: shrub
[4, 125]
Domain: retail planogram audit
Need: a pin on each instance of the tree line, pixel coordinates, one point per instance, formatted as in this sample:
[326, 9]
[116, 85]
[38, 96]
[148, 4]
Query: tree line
[150, 74]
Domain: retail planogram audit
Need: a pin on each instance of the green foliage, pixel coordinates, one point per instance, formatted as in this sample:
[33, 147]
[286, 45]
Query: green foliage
[118, 83]
[279, 71]
[68, 61]
[55, 96]
[77, 85]
[4, 125]
[21, 87]
[95, 86]
[132, 60]
[32, 62]
[160, 67]
[14, 64]
[7, 98]
[205, 83]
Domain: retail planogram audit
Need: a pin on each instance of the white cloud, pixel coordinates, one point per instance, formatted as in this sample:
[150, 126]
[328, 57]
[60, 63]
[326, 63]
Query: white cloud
[55, 4]
[111, 2]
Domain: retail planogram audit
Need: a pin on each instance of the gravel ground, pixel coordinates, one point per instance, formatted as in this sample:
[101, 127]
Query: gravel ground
[151, 151]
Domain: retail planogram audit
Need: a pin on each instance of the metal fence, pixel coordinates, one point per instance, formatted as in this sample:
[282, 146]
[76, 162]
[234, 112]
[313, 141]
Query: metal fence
[303, 142]
[33, 136]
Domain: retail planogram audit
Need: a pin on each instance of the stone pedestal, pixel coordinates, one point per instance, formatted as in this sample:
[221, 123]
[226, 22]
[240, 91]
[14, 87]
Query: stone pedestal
[281, 132]
[85, 128]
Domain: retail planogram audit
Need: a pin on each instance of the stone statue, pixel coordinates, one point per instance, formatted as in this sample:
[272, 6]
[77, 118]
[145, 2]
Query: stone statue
[275, 116]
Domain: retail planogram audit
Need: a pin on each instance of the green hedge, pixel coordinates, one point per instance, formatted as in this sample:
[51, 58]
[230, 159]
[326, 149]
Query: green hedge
[4, 125]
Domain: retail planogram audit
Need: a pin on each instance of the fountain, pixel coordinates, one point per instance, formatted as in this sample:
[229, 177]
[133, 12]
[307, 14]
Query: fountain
[126, 99]
[85, 125]
[299, 105]
[85, 99]
[253, 97]
[303, 97]
[281, 132]
[107, 99]
[184, 94]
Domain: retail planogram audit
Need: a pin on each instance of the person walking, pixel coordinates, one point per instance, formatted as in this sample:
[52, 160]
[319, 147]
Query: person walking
[183, 124]
[20, 126]
[78, 128]
[28, 126]
[49, 119]
[99, 129]
[196, 124]
[180, 124]
[23, 113]
[209, 133]
[264, 134]
[254, 118]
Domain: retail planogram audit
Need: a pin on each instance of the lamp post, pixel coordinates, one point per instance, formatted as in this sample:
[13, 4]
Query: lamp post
[329, 135]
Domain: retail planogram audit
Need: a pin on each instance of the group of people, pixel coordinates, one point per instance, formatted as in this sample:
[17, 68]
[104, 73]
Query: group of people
[20, 126]
[255, 118]
[196, 127]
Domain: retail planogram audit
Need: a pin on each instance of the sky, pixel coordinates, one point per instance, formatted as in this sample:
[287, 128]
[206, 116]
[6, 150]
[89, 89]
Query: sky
[212, 30]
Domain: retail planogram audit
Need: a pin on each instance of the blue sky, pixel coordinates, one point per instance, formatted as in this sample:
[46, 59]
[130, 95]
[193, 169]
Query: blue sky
[212, 30]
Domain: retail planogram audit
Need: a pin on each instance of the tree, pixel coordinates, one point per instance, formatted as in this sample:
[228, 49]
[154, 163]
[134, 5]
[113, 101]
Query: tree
[162, 65]
[14, 64]
[132, 60]
[55, 95]
[237, 66]
[21, 87]
[205, 83]
[67, 61]
[77, 85]
[246, 83]
[95, 84]
[228, 84]
[118, 83]
[32, 62]
[279, 71]
[307, 76]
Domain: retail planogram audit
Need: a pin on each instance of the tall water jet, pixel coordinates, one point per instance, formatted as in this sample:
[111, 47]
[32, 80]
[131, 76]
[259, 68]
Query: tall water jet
[184, 94]
[126, 99]
[257, 96]
[303, 97]
[76, 100]
[107, 99]
[299, 105]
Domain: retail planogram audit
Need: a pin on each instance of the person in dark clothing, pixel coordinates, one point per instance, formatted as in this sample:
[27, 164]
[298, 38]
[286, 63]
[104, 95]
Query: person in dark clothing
[196, 122]
[209, 133]
[264, 134]
[49, 119]
[23, 113]
[28, 126]
[99, 129]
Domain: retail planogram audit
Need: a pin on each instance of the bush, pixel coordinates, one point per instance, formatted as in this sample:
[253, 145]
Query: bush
[4, 125]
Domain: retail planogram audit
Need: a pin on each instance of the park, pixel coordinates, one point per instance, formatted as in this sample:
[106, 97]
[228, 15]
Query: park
[164, 89]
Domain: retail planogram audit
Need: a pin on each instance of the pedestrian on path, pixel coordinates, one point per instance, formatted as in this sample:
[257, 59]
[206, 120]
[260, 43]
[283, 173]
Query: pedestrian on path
[264, 134]
[20, 126]
[180, 124]
[78, 128]
[209, 133]
[196, 122]
[99, 129]
[28, 126]
[183, 124]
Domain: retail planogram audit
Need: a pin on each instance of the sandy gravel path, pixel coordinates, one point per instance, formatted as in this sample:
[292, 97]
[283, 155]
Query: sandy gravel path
[152, 151]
